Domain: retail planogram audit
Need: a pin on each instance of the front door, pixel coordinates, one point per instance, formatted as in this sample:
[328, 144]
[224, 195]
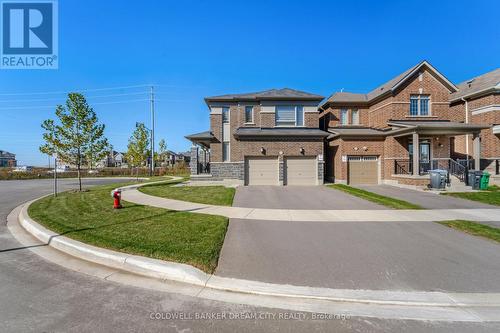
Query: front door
[424, 154]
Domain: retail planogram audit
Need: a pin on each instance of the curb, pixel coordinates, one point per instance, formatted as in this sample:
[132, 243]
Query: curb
[170, 271]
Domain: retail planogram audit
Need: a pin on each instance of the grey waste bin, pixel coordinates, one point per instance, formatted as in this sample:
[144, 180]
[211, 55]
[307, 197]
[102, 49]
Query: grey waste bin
[438, 178]
[476, 179]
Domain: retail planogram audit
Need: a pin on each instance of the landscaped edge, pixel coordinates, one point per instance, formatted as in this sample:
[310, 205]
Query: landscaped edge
[165, 270]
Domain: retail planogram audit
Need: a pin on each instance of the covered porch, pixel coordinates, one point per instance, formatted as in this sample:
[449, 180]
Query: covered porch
[428, 145]
[200, 153]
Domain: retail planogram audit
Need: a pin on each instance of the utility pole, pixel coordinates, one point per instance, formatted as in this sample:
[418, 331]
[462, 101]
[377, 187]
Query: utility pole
[152, 170]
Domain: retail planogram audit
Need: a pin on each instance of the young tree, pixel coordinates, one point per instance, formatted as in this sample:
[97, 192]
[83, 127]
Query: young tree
[97, 145]
[76, 133]
[162, 150]
[138, 146]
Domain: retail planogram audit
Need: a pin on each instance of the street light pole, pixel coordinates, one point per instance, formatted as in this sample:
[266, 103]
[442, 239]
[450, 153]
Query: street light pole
[152, 170]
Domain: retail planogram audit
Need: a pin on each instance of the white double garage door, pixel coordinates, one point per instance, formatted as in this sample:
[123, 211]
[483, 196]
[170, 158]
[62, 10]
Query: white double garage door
[296, 171]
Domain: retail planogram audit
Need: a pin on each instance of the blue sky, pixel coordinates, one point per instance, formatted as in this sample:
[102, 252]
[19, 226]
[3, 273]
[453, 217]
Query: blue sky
[192, 49]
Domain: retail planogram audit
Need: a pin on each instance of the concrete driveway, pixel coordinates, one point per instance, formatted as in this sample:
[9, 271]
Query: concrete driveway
[362, 255]
[425, 199]
[298, 197]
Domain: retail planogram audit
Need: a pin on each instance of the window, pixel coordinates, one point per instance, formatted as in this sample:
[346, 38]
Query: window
[355, 116]
[225, 151]
[419, 105]
[248, 114]
[289, 115]
[343, 117]
[225, 114]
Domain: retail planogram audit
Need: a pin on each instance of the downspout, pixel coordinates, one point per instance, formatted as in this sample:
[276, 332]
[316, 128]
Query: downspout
[466, 135]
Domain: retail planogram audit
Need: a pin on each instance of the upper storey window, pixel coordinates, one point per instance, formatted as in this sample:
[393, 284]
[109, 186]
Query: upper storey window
[225, 114]
[289, 115]
[248, 114]
[419, 105]
[343, 117]
[355, 117]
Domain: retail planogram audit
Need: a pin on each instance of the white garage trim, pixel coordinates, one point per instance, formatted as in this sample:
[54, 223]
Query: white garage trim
[301, 170]
[261, 171]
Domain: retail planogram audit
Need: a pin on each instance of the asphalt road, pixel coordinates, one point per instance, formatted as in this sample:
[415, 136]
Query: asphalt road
[38, 296]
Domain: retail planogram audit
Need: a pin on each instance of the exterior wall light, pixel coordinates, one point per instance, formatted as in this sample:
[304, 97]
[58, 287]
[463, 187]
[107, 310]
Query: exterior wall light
[356, 148]
[365, 148]
[262, 150]
[302, 151]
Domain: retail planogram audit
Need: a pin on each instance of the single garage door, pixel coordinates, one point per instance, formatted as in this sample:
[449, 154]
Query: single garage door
[363, 170]
[300, 171]
[261, 171]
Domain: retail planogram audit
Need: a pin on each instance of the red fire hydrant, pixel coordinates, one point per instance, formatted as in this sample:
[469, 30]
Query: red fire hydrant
[117, 195]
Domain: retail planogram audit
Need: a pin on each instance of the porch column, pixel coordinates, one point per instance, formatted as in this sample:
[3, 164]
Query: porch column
[476, 151]
[416, 154]
[193, 163]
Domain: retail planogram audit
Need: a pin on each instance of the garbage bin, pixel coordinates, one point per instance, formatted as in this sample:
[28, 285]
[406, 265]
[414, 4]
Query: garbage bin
[476, 181]
[485, 180]
[438, 178]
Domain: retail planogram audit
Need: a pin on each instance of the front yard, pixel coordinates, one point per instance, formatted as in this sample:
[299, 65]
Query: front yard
[89, 217]
[490, 196]
[210, 195]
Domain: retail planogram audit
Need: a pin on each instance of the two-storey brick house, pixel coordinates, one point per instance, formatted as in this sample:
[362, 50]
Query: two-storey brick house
[479, 100]
[397, 132]
[264, 138]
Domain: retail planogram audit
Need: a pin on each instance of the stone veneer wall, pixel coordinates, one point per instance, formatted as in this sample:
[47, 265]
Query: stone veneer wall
[193, 163]
[227, 170]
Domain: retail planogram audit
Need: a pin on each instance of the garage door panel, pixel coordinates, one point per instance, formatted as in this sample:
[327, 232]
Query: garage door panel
[363, 170]
[301, 171]
[262, 171]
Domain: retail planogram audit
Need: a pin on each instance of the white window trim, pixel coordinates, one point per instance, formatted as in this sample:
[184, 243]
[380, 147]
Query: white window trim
[429, 106]
[228, 114]
[295, 106]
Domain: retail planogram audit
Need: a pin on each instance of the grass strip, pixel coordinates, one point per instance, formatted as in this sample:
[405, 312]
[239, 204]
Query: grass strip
[491, 196]
[474, 228]
[376, 198]
[210, 195]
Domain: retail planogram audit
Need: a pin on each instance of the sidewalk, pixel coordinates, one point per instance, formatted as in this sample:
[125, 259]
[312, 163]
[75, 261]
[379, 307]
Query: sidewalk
[131, 194]
[179, 278]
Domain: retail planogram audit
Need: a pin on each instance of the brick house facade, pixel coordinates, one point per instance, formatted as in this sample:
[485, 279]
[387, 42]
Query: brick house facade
[354, 138]
[415, 105]
[248, 125]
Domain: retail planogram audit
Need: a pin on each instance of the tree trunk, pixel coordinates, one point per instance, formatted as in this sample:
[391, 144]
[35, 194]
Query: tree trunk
[79, 178]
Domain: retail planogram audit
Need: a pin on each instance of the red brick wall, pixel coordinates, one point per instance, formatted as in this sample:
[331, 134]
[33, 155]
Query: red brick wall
[272, 148]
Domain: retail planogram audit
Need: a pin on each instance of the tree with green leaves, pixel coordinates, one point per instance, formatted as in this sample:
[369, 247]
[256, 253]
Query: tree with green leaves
[76, 136]
[162, 151]
[138, 146]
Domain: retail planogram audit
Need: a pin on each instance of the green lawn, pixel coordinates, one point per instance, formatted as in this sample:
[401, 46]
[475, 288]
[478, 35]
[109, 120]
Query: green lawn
[474, 228]
[490, 196]
[210, 195]
[194, 239]
[376, 198]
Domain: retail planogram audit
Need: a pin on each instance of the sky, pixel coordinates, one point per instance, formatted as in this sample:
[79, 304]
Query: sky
[192, 49]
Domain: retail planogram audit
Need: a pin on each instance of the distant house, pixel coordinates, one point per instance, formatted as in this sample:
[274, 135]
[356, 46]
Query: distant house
[172, 158]
[114, 159]
[7, 160]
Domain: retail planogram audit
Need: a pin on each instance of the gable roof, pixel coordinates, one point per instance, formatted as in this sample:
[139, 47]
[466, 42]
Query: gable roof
[489, 82]
[271, 94]
[389, 86]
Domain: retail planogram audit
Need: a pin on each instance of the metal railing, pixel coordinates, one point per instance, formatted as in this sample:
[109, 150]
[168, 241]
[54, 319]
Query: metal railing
[457, 169]
[203, 168]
